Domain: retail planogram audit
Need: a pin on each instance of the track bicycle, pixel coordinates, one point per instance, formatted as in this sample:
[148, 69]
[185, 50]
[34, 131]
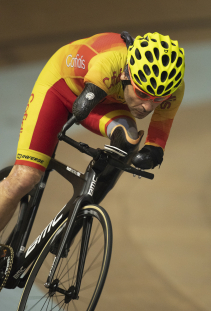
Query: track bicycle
[66, 266]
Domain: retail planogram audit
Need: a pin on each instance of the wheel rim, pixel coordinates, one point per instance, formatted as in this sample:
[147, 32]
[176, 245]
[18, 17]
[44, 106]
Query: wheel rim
[60, 295]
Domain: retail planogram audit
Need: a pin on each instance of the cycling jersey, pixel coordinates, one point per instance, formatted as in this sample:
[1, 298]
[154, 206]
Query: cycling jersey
[100, 60]
[162, 119]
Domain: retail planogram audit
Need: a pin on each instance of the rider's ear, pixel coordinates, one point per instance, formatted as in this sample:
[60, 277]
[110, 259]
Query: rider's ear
[123, 76]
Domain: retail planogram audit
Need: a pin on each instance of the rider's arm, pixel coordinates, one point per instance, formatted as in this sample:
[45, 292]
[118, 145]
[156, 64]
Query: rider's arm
[151, 154]
[87, 100]
[103, 75]
[162, 119]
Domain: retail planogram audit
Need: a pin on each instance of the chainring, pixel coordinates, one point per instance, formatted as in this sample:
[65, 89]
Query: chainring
[6, 261]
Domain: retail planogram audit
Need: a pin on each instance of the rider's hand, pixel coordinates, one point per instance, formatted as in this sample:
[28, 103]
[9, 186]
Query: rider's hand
[148, 157]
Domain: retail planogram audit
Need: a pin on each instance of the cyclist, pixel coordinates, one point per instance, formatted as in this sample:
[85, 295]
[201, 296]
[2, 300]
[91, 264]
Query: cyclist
[107, 81]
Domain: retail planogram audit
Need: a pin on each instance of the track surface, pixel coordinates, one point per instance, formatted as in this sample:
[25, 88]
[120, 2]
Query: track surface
[162, 228]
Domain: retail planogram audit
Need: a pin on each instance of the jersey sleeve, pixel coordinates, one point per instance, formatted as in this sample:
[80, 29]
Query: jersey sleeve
[162, 119]
[105, 70]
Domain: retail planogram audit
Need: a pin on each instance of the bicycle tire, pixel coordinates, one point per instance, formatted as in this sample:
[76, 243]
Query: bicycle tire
[54, 302]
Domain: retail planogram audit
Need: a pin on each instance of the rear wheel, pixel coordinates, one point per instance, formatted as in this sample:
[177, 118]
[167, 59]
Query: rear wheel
[61, 295]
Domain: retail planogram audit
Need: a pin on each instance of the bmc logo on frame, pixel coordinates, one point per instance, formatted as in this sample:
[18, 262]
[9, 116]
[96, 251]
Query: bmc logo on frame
[92, 186]
[77, 61]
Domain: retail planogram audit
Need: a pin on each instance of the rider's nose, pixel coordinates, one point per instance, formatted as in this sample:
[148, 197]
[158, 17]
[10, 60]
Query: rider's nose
[147, 105]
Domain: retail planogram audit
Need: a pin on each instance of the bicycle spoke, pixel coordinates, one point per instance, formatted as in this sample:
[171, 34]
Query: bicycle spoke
[93, 267]
[61, 307]
[74, 274]
[91, 244]
[96, 230]
[39, 281]
[88, 286]
[58, 305]
[69, 270]
[38, 302]
[93, 261]
[57, 299]
[74, 306]
[60, 264]
[61, 294]
[84, 300]
[49, 299]
[35, 297]
[59, 276]
[99, 236]
[48, 265]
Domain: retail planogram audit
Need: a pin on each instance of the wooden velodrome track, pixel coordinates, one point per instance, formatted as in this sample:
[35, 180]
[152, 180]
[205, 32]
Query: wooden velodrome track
[162, 228]
[161, 251]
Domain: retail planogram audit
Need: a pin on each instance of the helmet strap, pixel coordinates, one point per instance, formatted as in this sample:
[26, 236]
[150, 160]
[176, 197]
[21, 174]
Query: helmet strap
[126, 82]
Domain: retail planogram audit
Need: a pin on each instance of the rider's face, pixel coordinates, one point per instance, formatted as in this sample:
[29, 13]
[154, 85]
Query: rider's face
[139, 108]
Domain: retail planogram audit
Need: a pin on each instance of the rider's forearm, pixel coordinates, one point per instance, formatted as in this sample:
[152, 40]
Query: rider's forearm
[158, 133]
[162, 119]
[87, 100]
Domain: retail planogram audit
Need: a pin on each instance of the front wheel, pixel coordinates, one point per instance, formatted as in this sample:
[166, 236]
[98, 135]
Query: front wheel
[60, 294]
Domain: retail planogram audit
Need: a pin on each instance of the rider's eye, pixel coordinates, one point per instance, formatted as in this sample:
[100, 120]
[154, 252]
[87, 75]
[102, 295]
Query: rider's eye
[141, 94]
[159, 99]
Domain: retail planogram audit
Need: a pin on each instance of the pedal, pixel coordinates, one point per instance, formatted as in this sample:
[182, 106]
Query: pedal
[6, 261]
[113, 149]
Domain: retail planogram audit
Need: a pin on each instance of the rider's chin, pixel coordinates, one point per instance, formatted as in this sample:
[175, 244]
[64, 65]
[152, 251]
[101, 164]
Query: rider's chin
[139, 115]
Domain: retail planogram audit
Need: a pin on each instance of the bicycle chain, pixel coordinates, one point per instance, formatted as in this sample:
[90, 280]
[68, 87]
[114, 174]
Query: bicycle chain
[10, 258]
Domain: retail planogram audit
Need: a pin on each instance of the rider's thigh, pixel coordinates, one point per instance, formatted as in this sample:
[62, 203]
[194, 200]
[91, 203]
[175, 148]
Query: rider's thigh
[106, 116]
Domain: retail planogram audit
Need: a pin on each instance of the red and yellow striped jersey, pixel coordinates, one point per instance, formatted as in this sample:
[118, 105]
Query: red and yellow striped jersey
[101, 59]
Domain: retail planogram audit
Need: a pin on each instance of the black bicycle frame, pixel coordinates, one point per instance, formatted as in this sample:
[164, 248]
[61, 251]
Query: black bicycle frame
[84, 187]
[82, 196]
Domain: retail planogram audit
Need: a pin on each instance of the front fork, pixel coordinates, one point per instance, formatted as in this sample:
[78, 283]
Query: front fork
[93, 172]
[67, 233]
[73, 291]
[87, 226]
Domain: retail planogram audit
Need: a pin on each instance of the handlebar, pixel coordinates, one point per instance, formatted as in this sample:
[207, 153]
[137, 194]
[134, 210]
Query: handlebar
[67, 125]
[95, 153]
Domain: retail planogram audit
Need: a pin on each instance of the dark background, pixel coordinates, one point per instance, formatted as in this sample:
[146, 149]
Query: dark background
[33, 30]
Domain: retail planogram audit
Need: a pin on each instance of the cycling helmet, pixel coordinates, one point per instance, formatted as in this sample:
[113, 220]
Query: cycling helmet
[156, 63]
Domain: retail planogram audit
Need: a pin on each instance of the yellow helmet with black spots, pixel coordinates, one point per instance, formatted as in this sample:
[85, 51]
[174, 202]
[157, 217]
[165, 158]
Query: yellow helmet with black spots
[156, 63]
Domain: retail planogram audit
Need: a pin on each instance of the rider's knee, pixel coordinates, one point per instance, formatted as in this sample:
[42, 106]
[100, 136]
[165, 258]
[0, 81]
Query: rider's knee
[127, 123]
[22, 179]
[121, 139]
